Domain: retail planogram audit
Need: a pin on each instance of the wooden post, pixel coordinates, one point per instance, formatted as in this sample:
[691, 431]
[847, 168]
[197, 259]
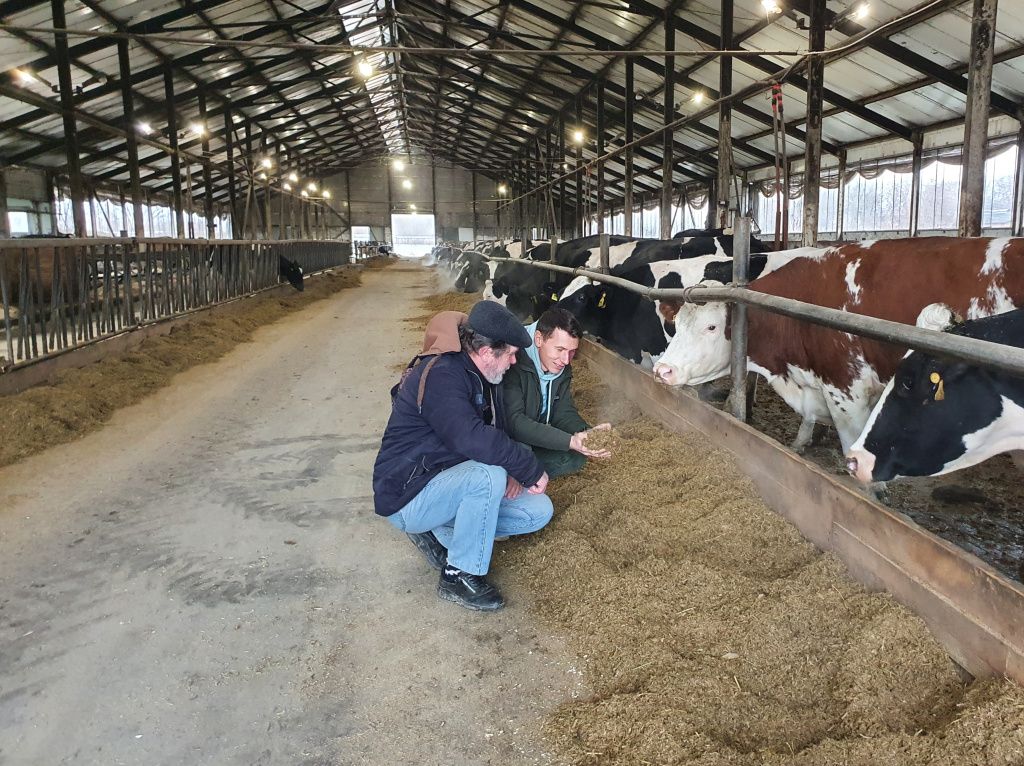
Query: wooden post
[724, 198]
[815, 97]
[1017, 222]
[740, 270]
[207, 171]
[128, 106]
[562, 169]
[666, 142]
[580, 185]
[979, 91]
[915, 184]
[229, 142]
[476, 217]
[67, 105]
[841, 196]
[627, 182]
[5, 221]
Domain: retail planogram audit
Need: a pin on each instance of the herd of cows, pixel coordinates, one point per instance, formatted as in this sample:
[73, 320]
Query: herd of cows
[896, 414]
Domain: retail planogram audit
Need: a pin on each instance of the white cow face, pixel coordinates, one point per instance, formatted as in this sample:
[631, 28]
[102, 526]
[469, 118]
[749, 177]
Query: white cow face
[699, 351]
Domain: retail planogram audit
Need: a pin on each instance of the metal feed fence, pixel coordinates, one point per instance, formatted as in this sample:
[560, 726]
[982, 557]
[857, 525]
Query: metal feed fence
[58, 294]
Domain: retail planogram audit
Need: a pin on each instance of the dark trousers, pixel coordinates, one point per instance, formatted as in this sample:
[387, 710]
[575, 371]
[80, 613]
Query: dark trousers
[559, 463]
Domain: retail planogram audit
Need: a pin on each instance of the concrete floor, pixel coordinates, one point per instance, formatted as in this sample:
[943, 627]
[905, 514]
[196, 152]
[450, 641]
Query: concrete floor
[204, 580]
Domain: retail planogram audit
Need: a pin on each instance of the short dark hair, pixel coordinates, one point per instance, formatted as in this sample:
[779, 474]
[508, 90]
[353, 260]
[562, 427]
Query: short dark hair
[558, 319]
[472, 341]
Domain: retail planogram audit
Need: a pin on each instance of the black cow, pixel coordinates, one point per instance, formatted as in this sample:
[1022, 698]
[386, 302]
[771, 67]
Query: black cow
[290, 272]
[937, 415]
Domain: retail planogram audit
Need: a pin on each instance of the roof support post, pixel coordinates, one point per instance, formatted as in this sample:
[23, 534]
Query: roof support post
[561, 171]
[915, 183]
[812, 142]
[207, 173]
[5, 223]
[841, 196]
[666, 138]
[391, 206]
[348, 204]
[580, 185]
[229, 141]
[128, 106]
[599, 212]
[725, 201]
[1017, 224]
[476, 217]
[172, 139]
[979, 92]
[433, 196]
[67, 105]
[627, 180]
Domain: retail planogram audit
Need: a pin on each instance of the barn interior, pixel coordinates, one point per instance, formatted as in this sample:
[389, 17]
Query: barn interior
[192, 568]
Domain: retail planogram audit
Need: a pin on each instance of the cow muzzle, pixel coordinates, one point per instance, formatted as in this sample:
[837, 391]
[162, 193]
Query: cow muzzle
[860, 465]
[666, 373]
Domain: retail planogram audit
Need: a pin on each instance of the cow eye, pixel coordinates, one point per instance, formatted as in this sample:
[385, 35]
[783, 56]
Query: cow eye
[906, 385]
[711, 328]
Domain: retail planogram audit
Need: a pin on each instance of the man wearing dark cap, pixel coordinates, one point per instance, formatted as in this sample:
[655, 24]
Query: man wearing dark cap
[447, 473]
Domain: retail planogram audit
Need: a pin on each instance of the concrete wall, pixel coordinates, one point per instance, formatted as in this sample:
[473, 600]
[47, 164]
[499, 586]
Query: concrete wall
[366, 195]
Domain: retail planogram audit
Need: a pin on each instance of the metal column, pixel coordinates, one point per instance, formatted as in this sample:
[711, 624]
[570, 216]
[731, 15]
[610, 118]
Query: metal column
[128, 105]
[229, 142]
[172, 136]
[627, 181]
[599, 208]
[67, 105]
[5, 223]
[666, 138]
[740, 271]
[724, 199]
[979, 91]
[815, 97]
[207, 172]
[915, 183]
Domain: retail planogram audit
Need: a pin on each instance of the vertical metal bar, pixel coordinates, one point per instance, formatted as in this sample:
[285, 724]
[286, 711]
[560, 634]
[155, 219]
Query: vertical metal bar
[5, 299]
[67, 105]
[172, 139]
[740, 271]
[812, 143]
[562, 168]
[476, 217]
[578, 215]
[724, 201]
[667, 137]
[433, 198]
[979, 91]
[915, 183]
[229, 145]
[841, 197]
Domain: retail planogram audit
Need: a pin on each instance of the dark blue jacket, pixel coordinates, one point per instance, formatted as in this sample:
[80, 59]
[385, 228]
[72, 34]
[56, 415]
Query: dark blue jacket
[449, 429]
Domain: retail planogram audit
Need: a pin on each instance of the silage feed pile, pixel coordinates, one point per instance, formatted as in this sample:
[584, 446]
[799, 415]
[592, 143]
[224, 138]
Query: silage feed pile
[710, 632]
[81, 400]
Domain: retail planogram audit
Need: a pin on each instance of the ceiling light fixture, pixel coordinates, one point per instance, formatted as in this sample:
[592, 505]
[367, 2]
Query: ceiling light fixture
[406, 184]
[365, 68]
[577, 136]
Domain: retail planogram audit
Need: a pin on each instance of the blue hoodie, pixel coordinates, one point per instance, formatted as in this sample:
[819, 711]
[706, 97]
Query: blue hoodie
[546, 378]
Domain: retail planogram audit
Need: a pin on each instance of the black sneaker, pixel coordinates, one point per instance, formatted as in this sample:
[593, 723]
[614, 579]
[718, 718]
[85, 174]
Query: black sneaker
[436, 554]
[469, 590]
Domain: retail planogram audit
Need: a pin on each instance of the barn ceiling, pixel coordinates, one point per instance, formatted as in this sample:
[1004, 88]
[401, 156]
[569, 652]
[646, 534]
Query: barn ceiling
[289, 85]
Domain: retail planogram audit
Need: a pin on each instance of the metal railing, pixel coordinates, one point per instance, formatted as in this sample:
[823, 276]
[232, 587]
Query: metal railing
[57, 294]
[979, 352]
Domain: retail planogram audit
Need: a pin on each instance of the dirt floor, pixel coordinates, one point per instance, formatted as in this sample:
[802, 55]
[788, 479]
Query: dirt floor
[202, 580]
[978, 508]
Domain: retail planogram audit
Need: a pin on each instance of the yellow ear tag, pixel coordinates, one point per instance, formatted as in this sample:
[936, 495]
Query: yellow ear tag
[940, 392]
[554, 297]
[601, 303]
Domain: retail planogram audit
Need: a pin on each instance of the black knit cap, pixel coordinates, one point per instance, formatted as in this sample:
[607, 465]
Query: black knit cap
[494, 321]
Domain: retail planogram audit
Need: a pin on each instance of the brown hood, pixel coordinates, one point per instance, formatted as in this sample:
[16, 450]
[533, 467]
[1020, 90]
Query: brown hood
[442, 334]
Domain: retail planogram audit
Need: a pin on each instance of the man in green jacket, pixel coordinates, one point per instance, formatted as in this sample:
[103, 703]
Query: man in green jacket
[538, 396]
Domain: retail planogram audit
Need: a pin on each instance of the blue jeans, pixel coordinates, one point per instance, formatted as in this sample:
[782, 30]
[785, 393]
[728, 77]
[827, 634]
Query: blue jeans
[464, 506]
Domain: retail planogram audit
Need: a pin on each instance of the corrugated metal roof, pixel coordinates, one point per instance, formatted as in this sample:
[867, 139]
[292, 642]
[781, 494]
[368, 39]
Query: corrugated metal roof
[314, 107]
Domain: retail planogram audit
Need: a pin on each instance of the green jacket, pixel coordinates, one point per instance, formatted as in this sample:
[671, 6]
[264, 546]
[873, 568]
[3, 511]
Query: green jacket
[523, 401]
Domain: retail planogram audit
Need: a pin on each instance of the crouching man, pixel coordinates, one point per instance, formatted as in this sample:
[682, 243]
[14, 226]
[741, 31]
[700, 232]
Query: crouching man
[538, 394]
[448, 474]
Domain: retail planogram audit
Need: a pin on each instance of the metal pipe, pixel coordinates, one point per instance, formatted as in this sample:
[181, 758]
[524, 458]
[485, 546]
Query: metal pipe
[980, 352]
[740, 271]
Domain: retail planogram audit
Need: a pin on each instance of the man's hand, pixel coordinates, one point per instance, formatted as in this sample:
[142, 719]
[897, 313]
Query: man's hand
[512, 489]
[578, 442]
[540, 486]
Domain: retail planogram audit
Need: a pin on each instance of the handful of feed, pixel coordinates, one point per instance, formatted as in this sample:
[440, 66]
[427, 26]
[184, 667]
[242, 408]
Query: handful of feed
[604, 439]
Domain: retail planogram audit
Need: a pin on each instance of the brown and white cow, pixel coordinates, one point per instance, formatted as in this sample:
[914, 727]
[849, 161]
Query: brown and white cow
[831, 376]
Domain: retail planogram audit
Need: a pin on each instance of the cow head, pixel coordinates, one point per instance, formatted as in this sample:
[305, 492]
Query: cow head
[591, 304]
[699, 350]
[290, 272]
[924, 423]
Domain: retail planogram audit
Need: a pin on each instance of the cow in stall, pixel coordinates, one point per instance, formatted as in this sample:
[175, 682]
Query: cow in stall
[939, 415]
[630, 324]
[291, 272]
[829, 376]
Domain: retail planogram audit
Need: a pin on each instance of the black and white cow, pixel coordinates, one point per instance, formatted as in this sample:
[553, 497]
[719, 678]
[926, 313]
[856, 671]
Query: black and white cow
[938, 415]
[630, 324]
[291, 272]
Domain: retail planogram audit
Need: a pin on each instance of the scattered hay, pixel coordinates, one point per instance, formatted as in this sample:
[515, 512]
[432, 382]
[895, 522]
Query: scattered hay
[444, 301]
[377, 262]
[604, 439]
[81, 400]
[711, 632]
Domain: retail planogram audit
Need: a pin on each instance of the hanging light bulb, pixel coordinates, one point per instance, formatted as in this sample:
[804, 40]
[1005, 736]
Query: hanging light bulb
[327, 194]
[198, 128]
[577, 136]
[365, 67]
[293, 176]
[305, 193]
[502, 189]
[267, 163]
[144, 128]
[398, 165]
[287, 186]
[406, 184]
[311, 186]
